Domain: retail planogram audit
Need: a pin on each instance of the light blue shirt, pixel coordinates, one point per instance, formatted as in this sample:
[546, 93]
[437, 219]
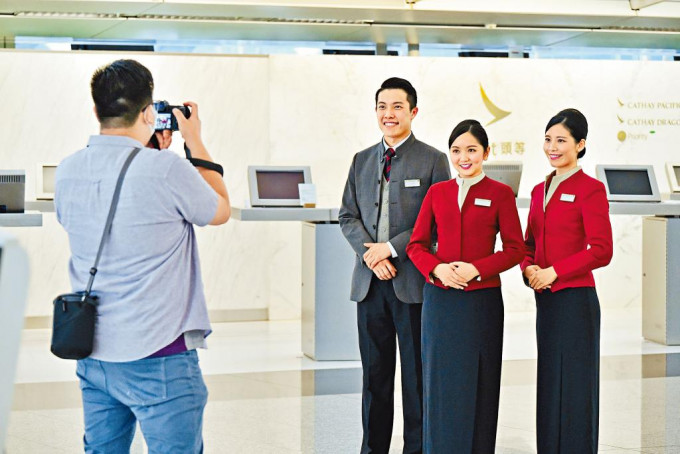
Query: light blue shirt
[149, 281]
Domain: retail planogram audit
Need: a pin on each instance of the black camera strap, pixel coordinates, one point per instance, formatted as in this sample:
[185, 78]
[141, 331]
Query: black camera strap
[109, 219]
[202, 162]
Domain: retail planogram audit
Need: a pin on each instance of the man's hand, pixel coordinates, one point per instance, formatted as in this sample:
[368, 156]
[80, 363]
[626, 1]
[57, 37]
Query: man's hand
[190, 128]
[446, 273]
[163, 138]
[466, 271]
[385, 270]
[542, 278]
[376, 252]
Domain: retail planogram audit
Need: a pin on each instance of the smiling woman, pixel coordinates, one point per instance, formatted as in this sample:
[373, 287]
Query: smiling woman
[568, 235]
[462, 326]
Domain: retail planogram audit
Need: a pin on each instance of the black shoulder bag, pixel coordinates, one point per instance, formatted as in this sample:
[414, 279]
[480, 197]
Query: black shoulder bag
[75, 313]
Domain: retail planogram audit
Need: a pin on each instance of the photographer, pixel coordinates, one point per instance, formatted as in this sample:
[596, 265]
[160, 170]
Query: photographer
[152, 313]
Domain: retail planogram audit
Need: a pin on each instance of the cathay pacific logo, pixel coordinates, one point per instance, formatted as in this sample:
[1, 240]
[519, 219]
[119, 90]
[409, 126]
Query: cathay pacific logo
[497, 112]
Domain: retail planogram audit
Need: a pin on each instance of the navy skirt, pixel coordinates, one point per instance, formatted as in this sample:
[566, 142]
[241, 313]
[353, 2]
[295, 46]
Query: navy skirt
[462, 345]
[568, 381]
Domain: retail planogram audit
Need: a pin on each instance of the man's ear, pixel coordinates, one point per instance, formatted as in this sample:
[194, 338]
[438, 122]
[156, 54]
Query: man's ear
[414, 112]
[147, 115]
[94, 109]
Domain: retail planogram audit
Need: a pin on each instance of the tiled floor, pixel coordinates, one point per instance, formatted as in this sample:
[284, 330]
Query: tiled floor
[265, 397]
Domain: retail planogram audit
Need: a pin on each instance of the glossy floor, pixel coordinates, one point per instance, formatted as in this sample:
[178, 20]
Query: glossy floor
[265, 397]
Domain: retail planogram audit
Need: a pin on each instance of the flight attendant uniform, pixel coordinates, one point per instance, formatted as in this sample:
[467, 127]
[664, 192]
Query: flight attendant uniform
[568, 229]
[462, 330]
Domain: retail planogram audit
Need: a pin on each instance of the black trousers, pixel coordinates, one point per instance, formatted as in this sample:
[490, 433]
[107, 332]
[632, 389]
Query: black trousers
[382, 320]
[462, 356]
[568, 382]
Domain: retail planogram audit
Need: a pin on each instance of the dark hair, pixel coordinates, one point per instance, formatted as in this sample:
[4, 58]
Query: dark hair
[120, 91]
[474, 128]
[576, 124]
[399, 84]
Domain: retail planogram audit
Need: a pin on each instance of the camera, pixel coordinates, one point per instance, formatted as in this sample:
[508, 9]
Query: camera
[165, 118]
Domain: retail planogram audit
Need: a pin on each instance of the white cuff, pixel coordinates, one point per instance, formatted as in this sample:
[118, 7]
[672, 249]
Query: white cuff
[394, 252]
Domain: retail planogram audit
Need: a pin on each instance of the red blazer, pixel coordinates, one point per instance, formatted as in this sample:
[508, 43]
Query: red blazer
[470, 235]
[573, 235]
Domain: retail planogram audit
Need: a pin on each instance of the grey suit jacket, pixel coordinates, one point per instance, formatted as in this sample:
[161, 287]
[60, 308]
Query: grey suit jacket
[358, 214]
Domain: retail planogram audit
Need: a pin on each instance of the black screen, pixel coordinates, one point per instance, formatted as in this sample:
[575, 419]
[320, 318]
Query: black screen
[676, 169]
[628, 182]
[279, 185]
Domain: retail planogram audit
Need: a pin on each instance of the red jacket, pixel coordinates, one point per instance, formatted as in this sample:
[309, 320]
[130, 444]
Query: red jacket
[573, 235]
[469, 236]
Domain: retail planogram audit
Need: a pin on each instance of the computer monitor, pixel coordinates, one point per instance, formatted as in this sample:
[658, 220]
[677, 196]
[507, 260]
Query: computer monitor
[277, 186]
[12, 191]
[673, 173]
[629, 183]
[507, 172]
[13, 288]
[45, 181]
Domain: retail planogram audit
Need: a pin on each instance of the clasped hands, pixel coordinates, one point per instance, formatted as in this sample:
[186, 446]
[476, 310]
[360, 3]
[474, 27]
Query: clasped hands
[540, 278]
[455, 274]
[377, 259]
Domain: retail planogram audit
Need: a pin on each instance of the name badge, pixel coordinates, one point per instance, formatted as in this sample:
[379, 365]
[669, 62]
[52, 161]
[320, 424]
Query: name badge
[412, 183]
[483, 202]
[567, 197]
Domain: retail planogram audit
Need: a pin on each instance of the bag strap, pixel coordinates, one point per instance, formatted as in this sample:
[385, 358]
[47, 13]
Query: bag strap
[109, 219]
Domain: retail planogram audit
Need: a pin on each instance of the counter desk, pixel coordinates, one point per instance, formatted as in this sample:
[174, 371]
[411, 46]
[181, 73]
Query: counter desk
[329, 322]
[329, 319]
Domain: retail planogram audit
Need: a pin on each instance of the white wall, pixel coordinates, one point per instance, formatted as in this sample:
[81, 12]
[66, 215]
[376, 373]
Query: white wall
[319, 111]
[48, 115]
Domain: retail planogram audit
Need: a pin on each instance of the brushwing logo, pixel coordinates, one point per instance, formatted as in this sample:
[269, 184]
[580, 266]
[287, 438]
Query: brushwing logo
[497, 112]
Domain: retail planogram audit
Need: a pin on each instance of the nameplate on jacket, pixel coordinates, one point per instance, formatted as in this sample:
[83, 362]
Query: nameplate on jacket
[483, 202]
[412, 183]
[567, 197]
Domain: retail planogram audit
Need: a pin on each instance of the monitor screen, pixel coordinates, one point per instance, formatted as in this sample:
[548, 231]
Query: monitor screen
[12, 191]
[507, 172]
[279, 184]
[628, 182]
[49, 172]
[676, 169]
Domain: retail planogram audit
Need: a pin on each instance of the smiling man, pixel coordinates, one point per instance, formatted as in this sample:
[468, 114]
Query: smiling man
[385, 188]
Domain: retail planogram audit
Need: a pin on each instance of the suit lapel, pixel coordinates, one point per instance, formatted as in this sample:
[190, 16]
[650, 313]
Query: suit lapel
[401, 162]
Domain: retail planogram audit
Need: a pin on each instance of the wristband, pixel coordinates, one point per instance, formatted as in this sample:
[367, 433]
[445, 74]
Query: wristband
[207, 165]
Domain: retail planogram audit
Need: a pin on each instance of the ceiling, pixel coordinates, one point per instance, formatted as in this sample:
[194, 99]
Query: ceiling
[483, 23]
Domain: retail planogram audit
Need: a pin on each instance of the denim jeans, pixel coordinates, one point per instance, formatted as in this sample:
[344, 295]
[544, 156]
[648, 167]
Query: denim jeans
[166, 395]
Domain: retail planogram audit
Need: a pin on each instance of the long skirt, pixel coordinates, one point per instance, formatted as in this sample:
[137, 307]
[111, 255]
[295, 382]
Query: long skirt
[462, 344]
[568, 382]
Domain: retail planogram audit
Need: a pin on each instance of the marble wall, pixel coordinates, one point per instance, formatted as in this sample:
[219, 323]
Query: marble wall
[48, 115]
[322, 113]
[291, 110]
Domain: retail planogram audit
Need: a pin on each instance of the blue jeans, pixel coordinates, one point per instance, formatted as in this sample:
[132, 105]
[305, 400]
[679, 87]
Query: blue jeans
[166, 395]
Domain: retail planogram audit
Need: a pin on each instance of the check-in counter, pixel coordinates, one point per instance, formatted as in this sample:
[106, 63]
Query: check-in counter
[329, 321]
[660, 265]
[13, 286]
[25, 219]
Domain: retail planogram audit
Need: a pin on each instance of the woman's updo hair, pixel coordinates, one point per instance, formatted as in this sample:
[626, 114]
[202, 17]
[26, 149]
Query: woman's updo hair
[576, 124]
[474, 128]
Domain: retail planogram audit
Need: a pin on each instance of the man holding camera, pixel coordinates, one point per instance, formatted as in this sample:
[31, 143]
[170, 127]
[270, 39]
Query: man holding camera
[152, 313]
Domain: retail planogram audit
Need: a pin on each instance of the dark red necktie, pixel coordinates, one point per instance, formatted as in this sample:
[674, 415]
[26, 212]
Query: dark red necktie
[389, 154]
